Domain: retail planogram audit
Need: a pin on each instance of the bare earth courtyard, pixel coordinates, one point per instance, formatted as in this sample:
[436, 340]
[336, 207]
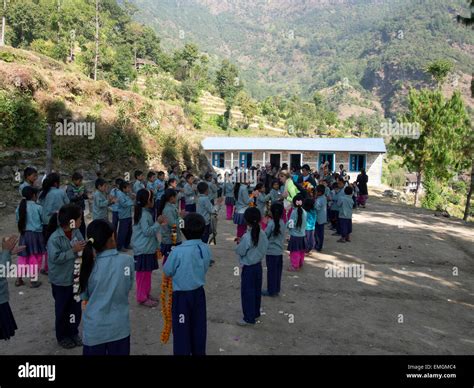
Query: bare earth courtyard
[417, 296]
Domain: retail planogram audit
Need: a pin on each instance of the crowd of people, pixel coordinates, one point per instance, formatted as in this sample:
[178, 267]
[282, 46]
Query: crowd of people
[166, 219]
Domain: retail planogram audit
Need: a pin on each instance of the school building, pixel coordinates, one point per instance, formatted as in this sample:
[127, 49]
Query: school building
[354, 153]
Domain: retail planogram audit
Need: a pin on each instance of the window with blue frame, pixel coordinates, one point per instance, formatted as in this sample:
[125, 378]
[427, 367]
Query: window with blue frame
[218, 159]
[327, 157]
[357, 162]
[245, 159]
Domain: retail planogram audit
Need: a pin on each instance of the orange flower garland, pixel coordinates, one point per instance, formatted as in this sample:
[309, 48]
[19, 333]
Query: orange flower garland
[166, 304]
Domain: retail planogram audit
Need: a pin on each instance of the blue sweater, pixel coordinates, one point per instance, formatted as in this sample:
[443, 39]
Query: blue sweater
[248, 253]
[100, 206]
[34, 217]
[53, 201]
[345, 203]
[275, 243]
[291, 224]
[321, 206]
[125, 205]
[204, 208]
[106, 316]
[187, 264]
[144, 235]
[61, 257]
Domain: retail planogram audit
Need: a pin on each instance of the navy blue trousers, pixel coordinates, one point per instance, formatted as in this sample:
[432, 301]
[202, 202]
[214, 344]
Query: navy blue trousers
[68, 312]
[251, 291]
[124, 233]
[190, 208]
[114, 348]
[115, 221]
[206, 234]
[274, 270]
[345, 227]
[189, 322]
[319, 236]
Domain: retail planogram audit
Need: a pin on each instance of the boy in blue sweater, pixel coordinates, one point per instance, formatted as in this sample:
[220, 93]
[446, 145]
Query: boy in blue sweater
[345, 204]
[187, 264]
[321, 206]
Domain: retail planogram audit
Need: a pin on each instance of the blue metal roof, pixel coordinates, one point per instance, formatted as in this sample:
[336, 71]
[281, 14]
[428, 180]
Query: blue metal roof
[293, 144]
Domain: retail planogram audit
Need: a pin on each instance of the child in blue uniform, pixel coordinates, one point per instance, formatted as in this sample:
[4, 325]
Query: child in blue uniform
[77, 194]
[187, 264]
[345, 204]
[171, 218]
[275, 232]
[100, 205]
[64, 242]
[297, 229]
[145, 246]
[125, 203]
[140, 182]
[205, 208]
[30, 176]
[7, 321]
[105, 281]
[114, 195]
[189, 194]
[321, 207]
[229, 198]
[251, 250]
[308, 206]
[29, 217]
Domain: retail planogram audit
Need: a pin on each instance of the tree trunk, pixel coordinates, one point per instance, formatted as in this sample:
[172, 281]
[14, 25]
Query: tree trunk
[418, 182]
[4, 23]
[96, 59]
[49, 149]
[469, 195]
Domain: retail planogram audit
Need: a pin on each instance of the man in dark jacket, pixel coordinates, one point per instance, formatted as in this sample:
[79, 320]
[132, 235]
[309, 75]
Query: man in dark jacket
[306, 176]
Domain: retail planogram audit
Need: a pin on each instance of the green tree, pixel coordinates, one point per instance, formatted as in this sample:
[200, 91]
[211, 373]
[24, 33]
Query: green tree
[229, 85]
[440, 70]
[248, 106]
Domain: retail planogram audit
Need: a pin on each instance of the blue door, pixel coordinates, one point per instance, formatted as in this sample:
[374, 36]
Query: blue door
[328, 157]
[245, 160]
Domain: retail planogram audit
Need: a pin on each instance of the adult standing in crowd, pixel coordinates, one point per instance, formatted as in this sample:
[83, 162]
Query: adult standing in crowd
[362, 180]
[306, 176]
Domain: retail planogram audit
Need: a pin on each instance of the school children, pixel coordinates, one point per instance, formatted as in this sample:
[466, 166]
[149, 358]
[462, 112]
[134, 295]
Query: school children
[151, 185]
[171, 227]
[125, 203]
[100, 204]
[105, 280]
[64, 242]
[205, 208]
[140, 182]
[30, 176]
[114, 195]
[321, 216]
[333, 208]
[29, 217]
[213, 189]
[345, 203]
[275, 193]
[189, 194]
[251, 250]
[297, 229]
[229, 198]
[145, 246]
[241, 195]
[76, 193]
[160, 188]
[7, 321]
[275, 233]
[51, 198]
[172, 184]
[338, 193]
[261, 200]
[311, 216]
[187, 264]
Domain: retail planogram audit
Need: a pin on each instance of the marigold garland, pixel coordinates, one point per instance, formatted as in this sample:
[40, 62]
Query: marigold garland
[166, 304]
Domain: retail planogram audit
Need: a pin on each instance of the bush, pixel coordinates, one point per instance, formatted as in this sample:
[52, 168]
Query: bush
[195, 113]
[21, 123]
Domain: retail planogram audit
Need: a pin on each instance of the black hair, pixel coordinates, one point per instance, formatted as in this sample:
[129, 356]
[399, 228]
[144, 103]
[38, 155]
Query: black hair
[189, 176]
[308, 204]
[306, 167]
[321, 189]
[334, 185]
[99, 232]
[143, 197]
[236, 190]
[169, 193]
[259, 186]
[207, 175]
[348, 190]
[51, 180]
[77, 176]
[171, 180]
[150, 174]
[194, 225]
[202, 187]
[299, 208]
[252, 216]
[62, 218]
[138, 173]
[99, 182]
[123, 185]
[277, 212]
[28, 194]
[276, 181]
[29, 171]
[160, 173]
[118, 181]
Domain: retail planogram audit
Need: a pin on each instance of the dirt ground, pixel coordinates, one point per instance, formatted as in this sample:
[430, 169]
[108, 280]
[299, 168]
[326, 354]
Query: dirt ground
[410, 301]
